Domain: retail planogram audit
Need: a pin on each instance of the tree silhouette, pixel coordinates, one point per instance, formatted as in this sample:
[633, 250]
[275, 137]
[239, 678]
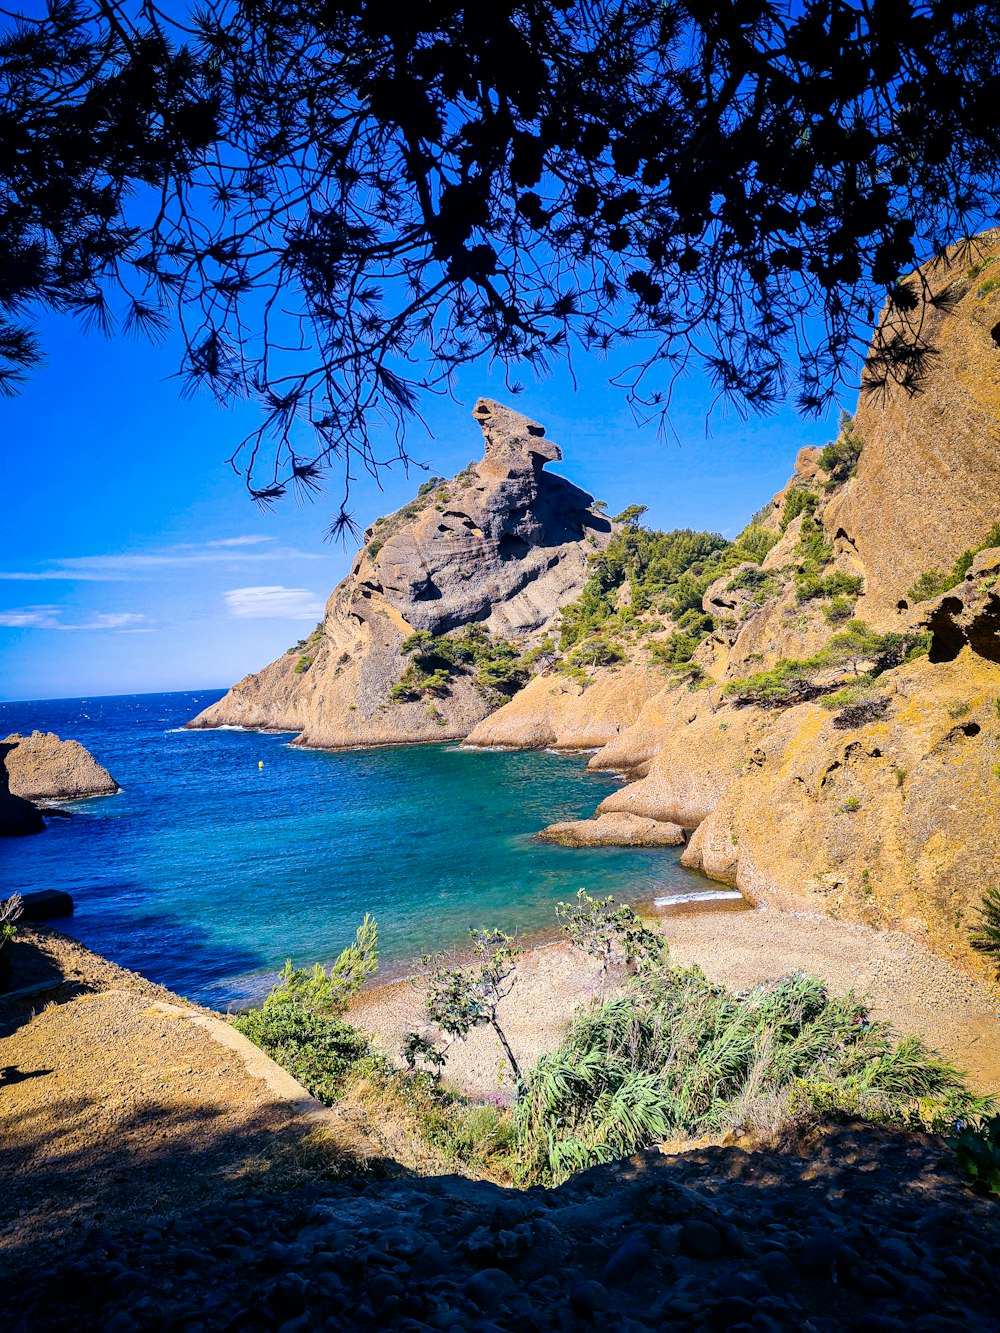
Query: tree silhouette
[341, 206]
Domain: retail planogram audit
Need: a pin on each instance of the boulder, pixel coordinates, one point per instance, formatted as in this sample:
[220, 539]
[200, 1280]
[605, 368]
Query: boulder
[614, 830]
[43, 767]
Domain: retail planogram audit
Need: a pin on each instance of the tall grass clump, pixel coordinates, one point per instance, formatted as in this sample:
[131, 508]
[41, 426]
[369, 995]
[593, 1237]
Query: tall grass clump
[675, 1054]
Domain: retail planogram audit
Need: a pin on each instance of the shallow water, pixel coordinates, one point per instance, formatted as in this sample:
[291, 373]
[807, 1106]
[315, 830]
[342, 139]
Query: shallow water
[206, 872]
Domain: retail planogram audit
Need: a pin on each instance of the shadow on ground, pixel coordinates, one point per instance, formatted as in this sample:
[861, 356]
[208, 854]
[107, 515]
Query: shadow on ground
[845, 1229]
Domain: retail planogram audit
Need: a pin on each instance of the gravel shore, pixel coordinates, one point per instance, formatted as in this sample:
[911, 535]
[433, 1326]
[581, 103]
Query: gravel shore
[905, 984]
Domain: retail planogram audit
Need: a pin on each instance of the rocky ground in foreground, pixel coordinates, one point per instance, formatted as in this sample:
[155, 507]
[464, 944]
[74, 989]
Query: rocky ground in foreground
[856, 1229]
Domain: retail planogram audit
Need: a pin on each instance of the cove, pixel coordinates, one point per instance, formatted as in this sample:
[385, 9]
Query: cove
[207, 870]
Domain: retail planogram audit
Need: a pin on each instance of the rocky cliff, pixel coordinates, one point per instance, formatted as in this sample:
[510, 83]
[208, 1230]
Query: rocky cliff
[832, 743]
[42, 767]
[500, 547]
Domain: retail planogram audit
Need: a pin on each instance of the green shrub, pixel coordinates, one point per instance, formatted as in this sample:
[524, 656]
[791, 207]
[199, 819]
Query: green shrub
[10, 910]
[977, 1147]
[932, 582]
[429, 485]
[319, 1051]
[837, 584]
[812, 551]
[303, 664]
[374, 547]
[985, 935]
[327, 993]
[839, 460]
[788, 682]
[674, 650]
[677, 1054]
[799, 500]
[495, 665]
[838, 610]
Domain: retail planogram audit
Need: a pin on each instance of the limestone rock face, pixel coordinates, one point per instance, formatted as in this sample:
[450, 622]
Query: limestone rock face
[504, 545]
[614, 830]
[552, 711]
[890, 824]
[926, 487]
[43, 767]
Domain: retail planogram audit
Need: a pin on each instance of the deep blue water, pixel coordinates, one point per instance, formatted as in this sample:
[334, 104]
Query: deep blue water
[206, 872]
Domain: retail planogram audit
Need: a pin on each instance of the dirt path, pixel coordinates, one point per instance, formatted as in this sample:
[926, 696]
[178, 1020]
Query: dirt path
[907, 985]
[119, 1100]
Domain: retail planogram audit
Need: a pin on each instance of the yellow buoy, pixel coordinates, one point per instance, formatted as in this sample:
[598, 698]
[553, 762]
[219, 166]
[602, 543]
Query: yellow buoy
[260, 763]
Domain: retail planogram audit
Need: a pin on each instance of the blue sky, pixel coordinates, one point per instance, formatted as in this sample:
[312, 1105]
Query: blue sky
[133, 560]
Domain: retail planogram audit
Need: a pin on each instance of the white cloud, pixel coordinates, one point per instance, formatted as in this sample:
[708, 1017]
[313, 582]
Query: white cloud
[240, 541]
[48, 617]
[273, 603]
[129, 565]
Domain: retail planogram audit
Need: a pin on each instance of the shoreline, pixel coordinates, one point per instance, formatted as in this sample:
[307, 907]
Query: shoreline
[904, 983]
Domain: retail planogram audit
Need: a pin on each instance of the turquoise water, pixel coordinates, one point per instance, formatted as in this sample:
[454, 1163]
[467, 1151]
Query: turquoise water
[206, 872]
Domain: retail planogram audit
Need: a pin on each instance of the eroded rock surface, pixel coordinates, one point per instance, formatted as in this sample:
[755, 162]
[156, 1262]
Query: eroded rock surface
[503, 545]
[43, 767]
[614, 830]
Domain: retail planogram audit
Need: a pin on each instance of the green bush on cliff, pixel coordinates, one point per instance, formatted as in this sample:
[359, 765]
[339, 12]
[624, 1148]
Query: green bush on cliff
[838, 584]
[494, 664]
[932, 582]
[839, 460]
[676, 1054]
[798, 500]
[795, 680]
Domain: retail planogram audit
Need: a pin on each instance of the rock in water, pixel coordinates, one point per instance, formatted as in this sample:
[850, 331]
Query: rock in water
[43, 767]
[503, 545]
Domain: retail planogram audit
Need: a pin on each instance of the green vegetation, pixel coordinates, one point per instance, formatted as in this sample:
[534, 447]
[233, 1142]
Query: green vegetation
[666, 574]
[607, 932]
[794, 681]
[309, 642]
[985, 935]
[670, 1054]
[303, 664]
[300, 1024]
[799, 500]
[320, 1052]
[753, 578]
[497, 668]
[977, 1146]
[10, 910]
[932, 582]
[675, 1054]
[429, 485]
[462, 998]
[839, 460]
[838, 610]
[838, 584]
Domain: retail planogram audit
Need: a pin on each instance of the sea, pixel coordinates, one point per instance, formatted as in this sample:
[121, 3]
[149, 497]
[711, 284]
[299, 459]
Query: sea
[229, 851]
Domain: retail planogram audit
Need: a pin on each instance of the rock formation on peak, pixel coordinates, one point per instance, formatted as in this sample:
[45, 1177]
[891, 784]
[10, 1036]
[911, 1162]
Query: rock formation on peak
[42, 767]
[500, 546]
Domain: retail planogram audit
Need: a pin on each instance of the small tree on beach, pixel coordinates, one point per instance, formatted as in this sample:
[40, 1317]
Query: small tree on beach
[328, 992]
[462, 998]
[607, 930]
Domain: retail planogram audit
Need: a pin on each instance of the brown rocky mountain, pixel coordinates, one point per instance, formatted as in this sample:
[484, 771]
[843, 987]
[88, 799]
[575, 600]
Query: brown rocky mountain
[503, 545]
